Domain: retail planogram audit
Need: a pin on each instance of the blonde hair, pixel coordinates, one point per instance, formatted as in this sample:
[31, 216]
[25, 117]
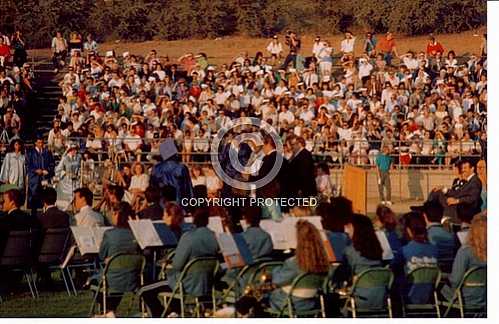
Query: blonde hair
[482, 175]
[477, 239]
[310, 253]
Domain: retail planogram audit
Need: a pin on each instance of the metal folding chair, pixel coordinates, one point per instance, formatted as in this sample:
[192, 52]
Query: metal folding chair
[119, 262]
[428, 276]
[474, 278]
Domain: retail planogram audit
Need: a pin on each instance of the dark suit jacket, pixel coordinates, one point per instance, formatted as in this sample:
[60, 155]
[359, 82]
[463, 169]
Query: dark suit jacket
[153, 212]
[16, 220]
[469, 193]
[273, 188]
[54, 218]
[302, 175]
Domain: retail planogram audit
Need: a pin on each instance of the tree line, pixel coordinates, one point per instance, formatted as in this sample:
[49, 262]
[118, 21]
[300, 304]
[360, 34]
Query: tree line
[139, 20]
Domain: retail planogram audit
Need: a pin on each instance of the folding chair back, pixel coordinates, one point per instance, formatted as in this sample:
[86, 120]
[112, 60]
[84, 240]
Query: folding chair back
[262, 272]
[308, 282]
[121, 267]
[19, 249]
[474, 283]
[55, 245]
[423, 281]
[422, 293]
[204, 270]
[370, 291]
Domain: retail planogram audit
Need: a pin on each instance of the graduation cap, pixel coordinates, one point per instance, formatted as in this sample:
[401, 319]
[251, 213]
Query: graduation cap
[167, 149]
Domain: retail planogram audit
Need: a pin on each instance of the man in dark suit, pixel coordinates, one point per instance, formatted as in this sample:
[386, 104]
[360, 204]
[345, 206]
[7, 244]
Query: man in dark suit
[153, 211]
[465, 194]
[53, 217]
[274, 188]
[301, 167]
[14, 219]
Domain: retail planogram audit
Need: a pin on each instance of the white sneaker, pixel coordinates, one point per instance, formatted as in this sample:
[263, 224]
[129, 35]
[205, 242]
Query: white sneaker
[388, 203]
[172, 315]
[56, 70]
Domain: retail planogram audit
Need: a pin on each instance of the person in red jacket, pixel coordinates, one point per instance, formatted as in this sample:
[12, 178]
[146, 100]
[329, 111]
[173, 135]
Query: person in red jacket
[434, 47]
[4, 52]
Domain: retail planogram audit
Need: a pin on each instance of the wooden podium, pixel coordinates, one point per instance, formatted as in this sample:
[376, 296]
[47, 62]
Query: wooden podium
[355, 188]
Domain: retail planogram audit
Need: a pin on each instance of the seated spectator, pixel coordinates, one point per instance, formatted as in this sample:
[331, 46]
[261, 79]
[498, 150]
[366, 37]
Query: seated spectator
[472, 254]
[118, 240]
[52, 217]
[200, 242]
[86, 216]
[310, 257]
[153, 211]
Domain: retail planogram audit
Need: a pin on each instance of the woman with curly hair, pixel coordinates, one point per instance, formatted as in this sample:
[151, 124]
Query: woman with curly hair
[470, 255]
[310, 257]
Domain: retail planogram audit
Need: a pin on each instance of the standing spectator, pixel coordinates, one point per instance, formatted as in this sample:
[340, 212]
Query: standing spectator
[4, 52]
[13, 169]
[383, 164]
[370, 44]
[386, 47]
[20, 54]
[301, 169]
[325, 60]
[275, 49]
[59, 51]
[40, 169]
[317, 46]
[348, 44]
[434, 48]
[294, 44]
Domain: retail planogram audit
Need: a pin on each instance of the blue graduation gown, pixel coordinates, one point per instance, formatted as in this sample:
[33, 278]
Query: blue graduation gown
[175, 174]
[34, 161]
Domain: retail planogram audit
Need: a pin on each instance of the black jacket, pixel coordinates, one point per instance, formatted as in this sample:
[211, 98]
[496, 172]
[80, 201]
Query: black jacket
[54, 218]
[302, 175]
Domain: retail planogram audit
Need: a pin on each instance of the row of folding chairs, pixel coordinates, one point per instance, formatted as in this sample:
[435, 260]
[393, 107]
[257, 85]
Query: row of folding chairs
[27, 251]
[256, 275]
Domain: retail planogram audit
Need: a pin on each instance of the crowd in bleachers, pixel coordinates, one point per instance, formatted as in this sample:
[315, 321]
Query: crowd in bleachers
[429, 108]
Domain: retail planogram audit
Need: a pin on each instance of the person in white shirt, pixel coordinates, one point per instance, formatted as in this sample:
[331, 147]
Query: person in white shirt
[347, 45]
[410, 61]
[59, 50]
[365, 69]
[86, 216]
[317, 46]
[275, 48]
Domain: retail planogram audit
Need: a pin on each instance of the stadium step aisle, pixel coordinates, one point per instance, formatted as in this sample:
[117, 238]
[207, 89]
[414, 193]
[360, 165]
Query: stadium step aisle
[48, 92]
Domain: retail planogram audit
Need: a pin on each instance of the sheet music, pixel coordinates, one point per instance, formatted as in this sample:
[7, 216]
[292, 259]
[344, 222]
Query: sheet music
[214, 223]
[229, 250]
[88, 239]
[145, 233]
[385, 245]
[277, 232]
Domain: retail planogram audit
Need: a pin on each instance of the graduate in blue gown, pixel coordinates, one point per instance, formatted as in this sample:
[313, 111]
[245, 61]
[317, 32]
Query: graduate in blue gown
[170, 172]
[40, 169]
